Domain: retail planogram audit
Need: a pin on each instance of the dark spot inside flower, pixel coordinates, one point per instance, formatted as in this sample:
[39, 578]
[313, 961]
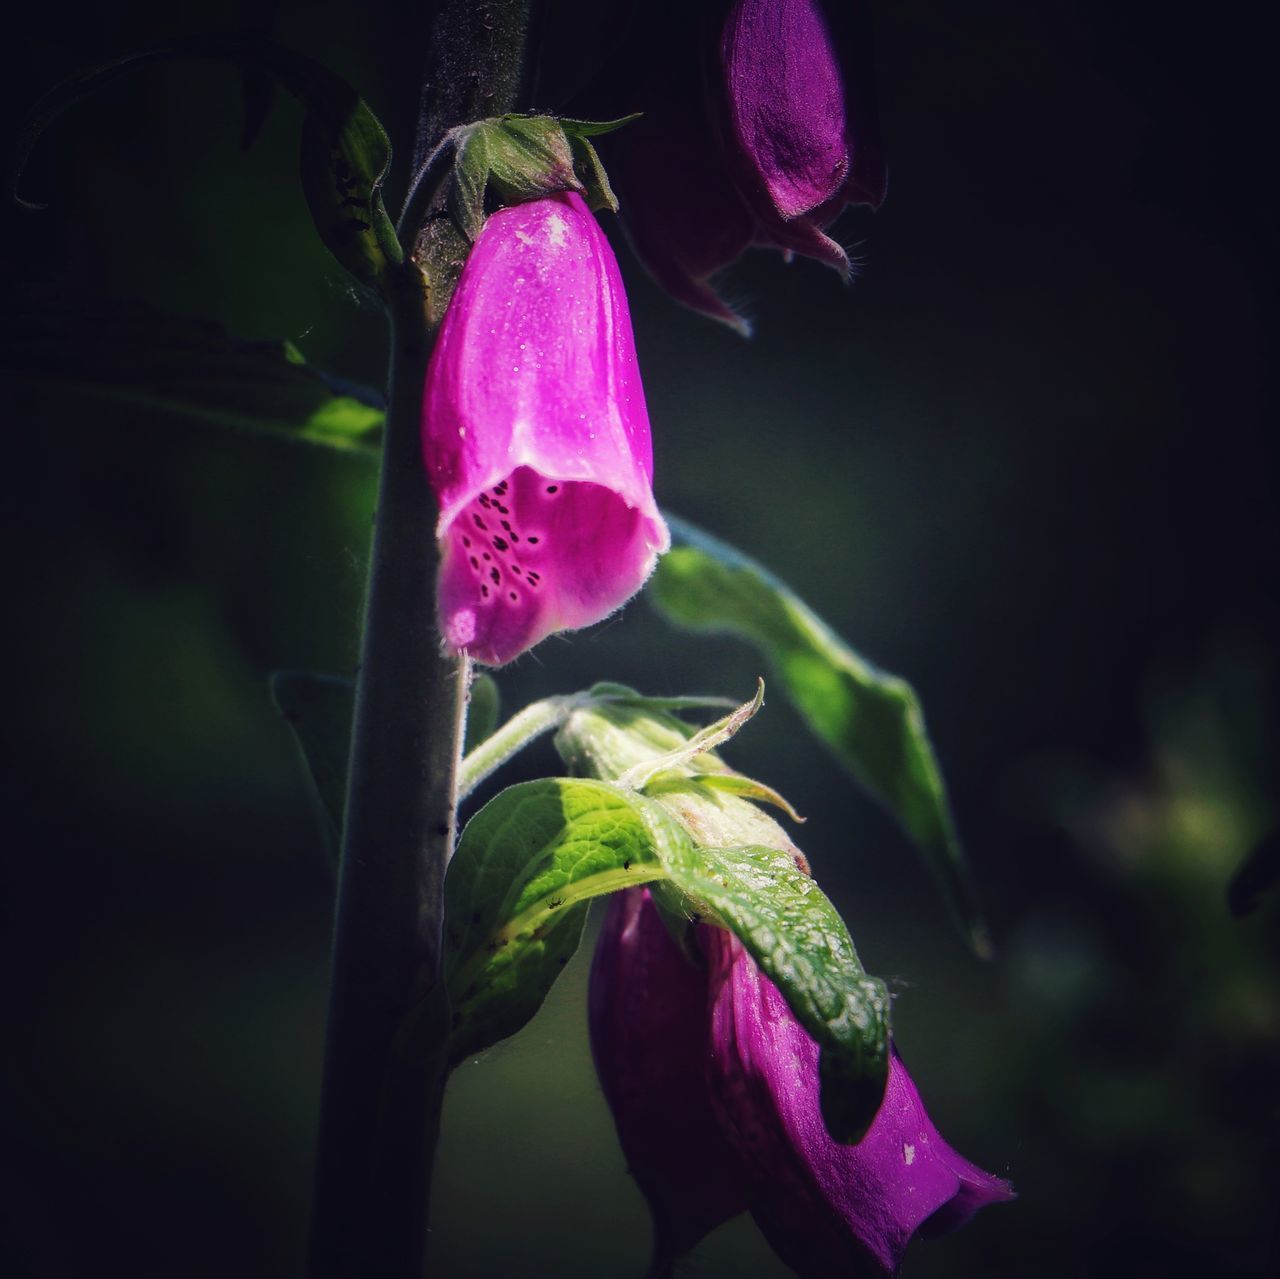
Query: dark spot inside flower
[484, 501]
[475, 563]
[484, 590]
[506, 510]
[533, 541]
[494, 577]
[506, 524]
[514, 596]
[499, 544]
[553, 488]
[487, 555]
[534, 577]
[480, 523]
[466, 541]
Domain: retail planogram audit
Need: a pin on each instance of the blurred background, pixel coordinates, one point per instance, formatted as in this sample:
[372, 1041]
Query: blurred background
[1027, 461]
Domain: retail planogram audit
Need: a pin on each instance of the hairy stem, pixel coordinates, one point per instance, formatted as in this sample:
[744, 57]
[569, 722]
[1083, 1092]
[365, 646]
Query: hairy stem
[384, 1069]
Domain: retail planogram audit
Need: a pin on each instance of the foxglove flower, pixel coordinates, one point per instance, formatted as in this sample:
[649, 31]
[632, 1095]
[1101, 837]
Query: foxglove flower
[825, 1208]
[714, 1090]
[536, 436]
[797, 121]
[648, 1020]
[761, 129]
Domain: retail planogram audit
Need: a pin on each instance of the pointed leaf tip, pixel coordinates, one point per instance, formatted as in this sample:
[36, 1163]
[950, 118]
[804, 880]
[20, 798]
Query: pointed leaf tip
[870, 720]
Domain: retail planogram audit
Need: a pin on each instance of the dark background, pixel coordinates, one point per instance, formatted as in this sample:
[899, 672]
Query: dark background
[1026, 461]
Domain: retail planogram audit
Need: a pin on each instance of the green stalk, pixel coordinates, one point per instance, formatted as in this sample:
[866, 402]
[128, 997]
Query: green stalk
[384, 1071]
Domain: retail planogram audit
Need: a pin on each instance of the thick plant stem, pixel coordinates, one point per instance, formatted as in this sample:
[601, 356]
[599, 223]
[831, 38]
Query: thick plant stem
[371, 1174]
[385, 1065]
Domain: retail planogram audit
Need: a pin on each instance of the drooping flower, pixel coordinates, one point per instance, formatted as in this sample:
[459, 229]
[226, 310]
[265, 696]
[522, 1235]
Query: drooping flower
[825, 1208]
[798, 118]
[536, 436]
[722, 1109]
[760, 127]
[648, 1021]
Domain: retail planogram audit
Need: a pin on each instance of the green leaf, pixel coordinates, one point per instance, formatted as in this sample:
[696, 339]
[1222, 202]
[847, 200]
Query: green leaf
[529, 861]
[516, 894]
[870, 719]
[320, 710]
[345, 153]
[169, 366]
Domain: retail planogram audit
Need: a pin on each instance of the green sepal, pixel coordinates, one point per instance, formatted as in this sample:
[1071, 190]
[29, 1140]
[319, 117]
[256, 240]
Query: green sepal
[871, 720]
[514, 158]
[345, 153]
[169, 366]
[593, 128]
[590, 173]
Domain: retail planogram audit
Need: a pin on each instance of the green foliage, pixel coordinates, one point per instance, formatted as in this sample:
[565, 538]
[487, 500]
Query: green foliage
[516, 894]
[345, 152]
[178, 368]
[529, 861]
[871, 720]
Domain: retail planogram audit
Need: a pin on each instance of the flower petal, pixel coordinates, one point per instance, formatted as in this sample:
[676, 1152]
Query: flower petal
[536, 436]
[785, 98]
[648, 1017]
[823, 1206]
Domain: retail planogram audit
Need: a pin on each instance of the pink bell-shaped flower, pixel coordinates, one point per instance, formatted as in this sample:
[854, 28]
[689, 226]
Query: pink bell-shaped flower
[825, 1208]
[536, 436]
[713, 1085]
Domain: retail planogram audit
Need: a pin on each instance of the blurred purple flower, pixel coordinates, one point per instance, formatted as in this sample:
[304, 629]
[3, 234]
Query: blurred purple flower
[536, 436]
[713, 1086]
[761, 128]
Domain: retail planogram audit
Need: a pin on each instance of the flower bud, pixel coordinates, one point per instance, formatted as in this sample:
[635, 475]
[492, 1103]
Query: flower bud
[536, 436]
[648, 1020]
[825, 1208]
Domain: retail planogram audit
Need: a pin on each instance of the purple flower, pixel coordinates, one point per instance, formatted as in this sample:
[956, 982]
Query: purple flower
[714, 1090]
[825, 1208]
[648, 1020]
[765, 141]
[536, 436]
